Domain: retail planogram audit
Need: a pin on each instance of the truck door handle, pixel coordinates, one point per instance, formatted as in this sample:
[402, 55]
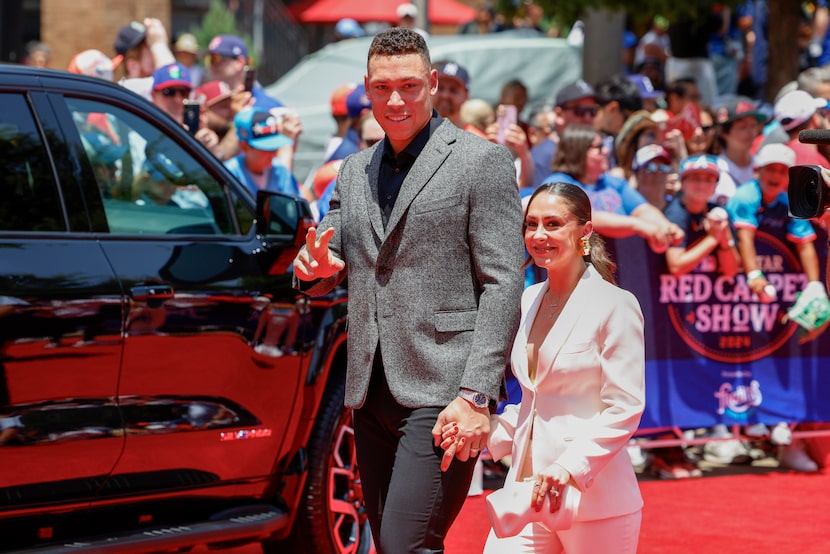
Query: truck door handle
[155, 292]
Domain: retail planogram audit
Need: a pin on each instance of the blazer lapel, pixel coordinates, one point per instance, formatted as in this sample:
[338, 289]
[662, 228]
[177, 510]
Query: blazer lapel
[372, 173]
[566, 321]
[519, 354]
[435, 152]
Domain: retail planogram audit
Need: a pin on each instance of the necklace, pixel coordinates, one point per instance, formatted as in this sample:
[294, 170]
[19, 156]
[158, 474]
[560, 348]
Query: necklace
[554, 306]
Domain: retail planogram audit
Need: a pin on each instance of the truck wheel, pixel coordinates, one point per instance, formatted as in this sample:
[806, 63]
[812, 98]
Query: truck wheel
[332, 515]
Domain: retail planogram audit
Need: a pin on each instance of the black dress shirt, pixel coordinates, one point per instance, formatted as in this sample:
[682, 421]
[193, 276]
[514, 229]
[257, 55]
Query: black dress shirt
[394, 169]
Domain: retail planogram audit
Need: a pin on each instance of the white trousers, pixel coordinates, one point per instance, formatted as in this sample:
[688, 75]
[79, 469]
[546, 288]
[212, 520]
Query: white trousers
[615, 535]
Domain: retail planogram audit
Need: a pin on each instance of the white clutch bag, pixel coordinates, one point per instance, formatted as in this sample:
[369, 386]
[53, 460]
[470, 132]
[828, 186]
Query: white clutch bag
[509, 509]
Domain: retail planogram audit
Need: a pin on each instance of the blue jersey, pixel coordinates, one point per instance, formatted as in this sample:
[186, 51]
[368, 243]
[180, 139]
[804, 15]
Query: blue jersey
[609, 194]
[747, 210]
[279, 179]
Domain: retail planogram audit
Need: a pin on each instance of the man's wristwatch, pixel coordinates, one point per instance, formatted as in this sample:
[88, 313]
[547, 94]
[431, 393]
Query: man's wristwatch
[477, 399]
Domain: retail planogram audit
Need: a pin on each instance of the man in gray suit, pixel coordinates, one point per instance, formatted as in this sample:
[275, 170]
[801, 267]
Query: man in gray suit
[428, 225]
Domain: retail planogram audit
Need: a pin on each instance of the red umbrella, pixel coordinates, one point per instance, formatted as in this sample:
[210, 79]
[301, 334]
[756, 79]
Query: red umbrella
[441, 12]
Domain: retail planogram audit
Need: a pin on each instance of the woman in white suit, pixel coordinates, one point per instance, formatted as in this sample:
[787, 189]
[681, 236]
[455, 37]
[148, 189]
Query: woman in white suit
[580, 360]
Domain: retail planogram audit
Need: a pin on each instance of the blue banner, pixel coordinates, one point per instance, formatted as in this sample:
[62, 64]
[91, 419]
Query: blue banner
[714, 352]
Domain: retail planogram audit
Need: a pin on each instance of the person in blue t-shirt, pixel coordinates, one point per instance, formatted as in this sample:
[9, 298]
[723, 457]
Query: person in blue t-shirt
[762, 205]
[257, 166]
[619, 210]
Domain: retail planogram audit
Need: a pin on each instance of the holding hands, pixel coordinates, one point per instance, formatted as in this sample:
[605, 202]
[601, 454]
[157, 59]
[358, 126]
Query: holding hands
[461, 430]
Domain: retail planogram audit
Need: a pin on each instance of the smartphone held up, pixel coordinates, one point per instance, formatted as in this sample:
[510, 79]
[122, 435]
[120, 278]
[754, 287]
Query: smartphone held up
[506, 116]
[250, 78]
[192, 109]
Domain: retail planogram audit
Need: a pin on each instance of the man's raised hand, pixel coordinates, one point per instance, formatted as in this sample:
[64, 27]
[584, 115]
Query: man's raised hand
[315, 260]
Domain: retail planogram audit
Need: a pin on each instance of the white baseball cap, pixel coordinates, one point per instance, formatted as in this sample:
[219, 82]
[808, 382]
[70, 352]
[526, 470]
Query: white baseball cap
[774, 153]
[795, 108]
[407, 10]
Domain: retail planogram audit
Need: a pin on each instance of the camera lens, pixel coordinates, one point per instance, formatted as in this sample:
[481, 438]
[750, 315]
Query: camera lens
[806, 191]
[811, 194]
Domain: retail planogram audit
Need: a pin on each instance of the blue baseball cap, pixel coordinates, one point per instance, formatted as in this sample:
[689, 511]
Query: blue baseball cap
[357, 101]
[349, 28]
[644, 84]
[452, 69]
[101, 149]
[161, 168]
[171, 75]
[260, 129]
[228, 45]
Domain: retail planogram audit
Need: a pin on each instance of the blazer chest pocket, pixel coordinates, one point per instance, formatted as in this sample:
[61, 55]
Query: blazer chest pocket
[434, 205]
[453, 322]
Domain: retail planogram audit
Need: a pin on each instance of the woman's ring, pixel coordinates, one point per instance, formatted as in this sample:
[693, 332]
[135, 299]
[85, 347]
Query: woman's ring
[553, 492]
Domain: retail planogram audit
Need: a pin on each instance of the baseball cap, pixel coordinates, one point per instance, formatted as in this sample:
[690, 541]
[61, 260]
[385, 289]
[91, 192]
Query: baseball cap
[705, 163]
[736, 108]
[130, 36]
[161, 168]
[349, 28]
[101, 149]
[171, 75]
[93, 63]
[644, 84]
[630, 39]
[260, 129]
[577, 90]
[228, 45]
[775, 153]
[648, 153]
[357, 101]
[186, 43]
[407, 10]
[213, 92]
[796, 108]
[338, 99]
[452, 69]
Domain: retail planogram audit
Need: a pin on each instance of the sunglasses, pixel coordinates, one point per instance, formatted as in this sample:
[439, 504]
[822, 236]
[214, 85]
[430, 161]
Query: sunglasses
[216, 59]
[707, 128]
[581, 111]
[654, 167]
[173, 91]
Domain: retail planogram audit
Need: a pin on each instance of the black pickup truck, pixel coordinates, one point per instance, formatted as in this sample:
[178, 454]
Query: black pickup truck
[161, 383]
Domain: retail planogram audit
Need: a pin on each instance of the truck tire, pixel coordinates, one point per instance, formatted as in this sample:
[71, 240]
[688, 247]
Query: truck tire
[332, 516]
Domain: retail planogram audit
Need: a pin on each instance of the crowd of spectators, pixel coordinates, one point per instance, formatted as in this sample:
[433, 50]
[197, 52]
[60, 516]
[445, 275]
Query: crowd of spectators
[677, 149]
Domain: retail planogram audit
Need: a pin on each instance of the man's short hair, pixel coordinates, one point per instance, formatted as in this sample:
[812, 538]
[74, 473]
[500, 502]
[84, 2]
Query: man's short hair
[618, 88]
[399, 41]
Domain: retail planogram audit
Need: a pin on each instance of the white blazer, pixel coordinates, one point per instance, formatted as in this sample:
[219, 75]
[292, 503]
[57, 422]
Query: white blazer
[588, 396]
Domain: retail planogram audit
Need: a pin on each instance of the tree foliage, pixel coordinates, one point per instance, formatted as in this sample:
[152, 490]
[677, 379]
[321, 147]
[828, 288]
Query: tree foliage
[218, 20]
[569, 11]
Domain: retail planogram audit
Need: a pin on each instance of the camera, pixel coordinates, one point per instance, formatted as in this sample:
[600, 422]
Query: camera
[807, 193]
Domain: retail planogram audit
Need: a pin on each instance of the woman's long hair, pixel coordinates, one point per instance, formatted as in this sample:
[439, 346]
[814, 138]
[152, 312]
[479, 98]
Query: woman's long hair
[579, 205]
[573, 149]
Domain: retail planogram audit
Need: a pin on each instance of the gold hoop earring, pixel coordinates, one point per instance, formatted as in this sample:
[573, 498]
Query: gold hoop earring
[586, 246]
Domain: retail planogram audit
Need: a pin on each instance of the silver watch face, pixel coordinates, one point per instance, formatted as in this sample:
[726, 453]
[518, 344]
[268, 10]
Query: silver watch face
[480, 400]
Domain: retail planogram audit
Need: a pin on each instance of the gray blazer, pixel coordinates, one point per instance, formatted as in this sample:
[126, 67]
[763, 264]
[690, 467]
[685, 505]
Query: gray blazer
[439, 289]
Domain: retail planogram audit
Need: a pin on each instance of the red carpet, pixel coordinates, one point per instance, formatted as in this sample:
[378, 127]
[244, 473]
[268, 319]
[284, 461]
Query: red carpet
[757, 510]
